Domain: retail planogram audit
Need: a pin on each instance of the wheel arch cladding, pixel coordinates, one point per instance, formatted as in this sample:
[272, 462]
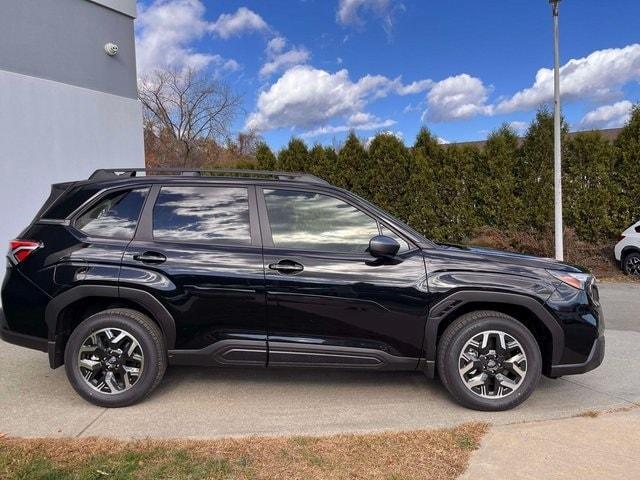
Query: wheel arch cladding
[629, 249]
[526, 310]
[105, 297]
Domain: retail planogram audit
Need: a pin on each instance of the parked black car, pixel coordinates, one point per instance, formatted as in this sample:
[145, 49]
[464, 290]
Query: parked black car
[124, 273]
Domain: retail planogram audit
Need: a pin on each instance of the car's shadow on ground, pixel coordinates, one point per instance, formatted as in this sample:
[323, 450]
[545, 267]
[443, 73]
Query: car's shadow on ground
[330, 384]
[300, 377]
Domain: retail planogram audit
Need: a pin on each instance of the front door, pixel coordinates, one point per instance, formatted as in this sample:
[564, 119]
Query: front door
[329, 303]
[198, 250]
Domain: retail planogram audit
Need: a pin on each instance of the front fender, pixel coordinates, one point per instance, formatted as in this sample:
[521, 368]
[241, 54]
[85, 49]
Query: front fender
[457, 300]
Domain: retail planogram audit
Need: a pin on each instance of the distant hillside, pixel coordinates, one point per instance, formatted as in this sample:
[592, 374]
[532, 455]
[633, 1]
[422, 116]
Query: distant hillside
[610, 134]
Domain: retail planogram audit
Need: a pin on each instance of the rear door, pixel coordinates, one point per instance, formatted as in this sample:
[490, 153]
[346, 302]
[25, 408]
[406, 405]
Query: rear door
[198, 250]
[328, 301]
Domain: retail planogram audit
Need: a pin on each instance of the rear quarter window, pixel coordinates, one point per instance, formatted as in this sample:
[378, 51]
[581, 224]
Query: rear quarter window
[114, 216]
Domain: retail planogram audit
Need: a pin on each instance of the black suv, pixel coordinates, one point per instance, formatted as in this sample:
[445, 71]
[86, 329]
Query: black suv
[126, 272]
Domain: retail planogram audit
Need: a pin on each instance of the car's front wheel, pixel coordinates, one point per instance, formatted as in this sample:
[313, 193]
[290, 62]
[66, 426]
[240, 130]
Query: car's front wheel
[115, 358]
[489, 361]
[631, 264]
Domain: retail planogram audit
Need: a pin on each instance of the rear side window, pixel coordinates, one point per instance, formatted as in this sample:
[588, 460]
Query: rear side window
[202, 214]
[114, 216]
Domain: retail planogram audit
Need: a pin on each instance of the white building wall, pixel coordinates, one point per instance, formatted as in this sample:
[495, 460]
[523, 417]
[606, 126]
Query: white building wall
[54, 132]
[128, 7]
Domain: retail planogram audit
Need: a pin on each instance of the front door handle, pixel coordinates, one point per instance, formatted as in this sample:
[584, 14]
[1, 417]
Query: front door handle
[287, 266]
[150, 257]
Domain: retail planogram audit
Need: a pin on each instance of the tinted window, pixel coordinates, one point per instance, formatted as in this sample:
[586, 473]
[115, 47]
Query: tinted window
[202, 214]
[115, 216]
[312, 221]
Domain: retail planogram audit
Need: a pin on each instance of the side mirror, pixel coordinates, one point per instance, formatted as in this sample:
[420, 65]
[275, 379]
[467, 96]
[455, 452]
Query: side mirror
[382, 246]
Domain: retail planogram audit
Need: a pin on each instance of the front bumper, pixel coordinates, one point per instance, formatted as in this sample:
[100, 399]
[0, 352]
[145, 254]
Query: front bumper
[596, 356]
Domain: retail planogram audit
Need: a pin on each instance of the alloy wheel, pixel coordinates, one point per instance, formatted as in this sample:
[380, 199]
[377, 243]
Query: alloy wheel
[111, 360]
[492, 364]
[632, 265]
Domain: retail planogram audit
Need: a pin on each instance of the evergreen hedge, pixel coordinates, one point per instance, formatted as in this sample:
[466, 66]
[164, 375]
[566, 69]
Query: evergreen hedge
[447, 191]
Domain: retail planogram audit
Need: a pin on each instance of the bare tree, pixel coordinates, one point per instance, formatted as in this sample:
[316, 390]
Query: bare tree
[245, 144]
[188, 107]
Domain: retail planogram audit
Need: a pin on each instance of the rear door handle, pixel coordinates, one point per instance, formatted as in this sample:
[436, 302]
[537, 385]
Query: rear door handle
[287, 266]
[150, 257]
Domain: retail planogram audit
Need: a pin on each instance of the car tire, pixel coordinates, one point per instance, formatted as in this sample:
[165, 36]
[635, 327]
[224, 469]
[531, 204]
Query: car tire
[116, 357]
[479, 379]
[631, 264]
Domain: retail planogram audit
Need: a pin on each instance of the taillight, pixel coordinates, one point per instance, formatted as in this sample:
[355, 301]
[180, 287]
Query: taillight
[19, 250]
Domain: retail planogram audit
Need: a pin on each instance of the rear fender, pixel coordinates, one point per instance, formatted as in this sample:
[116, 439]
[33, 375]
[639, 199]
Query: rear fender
[56, 340]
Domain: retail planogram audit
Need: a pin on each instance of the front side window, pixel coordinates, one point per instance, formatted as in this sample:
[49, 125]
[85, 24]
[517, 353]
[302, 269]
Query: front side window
[114, 216]
[313, 221]
[404, 245]
[202, 214]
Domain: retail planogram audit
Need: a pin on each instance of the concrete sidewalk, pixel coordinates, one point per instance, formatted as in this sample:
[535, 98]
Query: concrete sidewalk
[604, 447]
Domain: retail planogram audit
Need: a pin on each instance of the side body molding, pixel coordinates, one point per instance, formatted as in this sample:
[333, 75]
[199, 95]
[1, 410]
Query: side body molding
[440, 310]
[139, 297]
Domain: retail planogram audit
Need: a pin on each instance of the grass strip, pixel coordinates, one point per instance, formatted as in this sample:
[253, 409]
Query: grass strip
[435, 454]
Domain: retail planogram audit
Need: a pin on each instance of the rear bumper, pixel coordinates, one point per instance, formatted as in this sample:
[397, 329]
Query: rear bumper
[23, 340]
[596, 356]
[20, 339]
[30, 341]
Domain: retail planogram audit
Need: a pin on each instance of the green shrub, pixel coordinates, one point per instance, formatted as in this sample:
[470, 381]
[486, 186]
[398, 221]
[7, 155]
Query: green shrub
[448, 191]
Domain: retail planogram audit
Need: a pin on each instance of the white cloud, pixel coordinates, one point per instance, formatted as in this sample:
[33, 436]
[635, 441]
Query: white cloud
[164, 31]
[278, 59]
[599, 76]
[282, 61]
[361, 118]
[442, 141]
[518, 126]
[607, 116]
[276, 45]
[413, 108]
[234, 24]
[306, 97]
[375, 125]
[415, 87]
[349, 11]
[231, 65]
[455, 98]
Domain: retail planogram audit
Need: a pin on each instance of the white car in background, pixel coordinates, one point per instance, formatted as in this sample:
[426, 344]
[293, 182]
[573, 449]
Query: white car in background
[627, 250]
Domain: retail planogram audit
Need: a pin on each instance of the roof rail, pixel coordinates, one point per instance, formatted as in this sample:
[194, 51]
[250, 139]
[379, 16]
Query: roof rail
[106, 173]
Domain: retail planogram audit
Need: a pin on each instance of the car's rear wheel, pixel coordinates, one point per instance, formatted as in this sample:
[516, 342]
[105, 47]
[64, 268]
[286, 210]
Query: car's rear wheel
[115, 358]
[631, 264]
[489, 361]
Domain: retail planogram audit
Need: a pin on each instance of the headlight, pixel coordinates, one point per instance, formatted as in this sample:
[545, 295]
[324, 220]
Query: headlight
[575, 280]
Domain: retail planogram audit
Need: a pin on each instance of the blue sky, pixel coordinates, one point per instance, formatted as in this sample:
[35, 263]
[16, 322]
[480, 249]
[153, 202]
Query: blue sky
[318, 68]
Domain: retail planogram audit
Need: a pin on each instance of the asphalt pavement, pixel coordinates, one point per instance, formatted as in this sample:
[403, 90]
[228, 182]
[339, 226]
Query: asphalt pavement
[197, 402]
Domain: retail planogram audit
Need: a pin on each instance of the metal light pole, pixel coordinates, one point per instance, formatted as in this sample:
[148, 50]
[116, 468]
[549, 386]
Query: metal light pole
[557, 146]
